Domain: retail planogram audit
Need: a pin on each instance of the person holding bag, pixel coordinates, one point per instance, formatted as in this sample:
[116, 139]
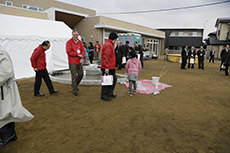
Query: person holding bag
[191, 57]
[108, 63]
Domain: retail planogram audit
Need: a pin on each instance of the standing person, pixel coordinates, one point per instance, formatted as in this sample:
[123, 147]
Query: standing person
[139, 50]
[166, 51]
[126, 50]
[97, 48]
[38, 62]
[200, 54]
[91, 53]
[223, 56]
[191, 57]
[184, 56]
[227, 63]
[11, 109]
[212, 55]
[108, 62]
[76, 54]
[86, 58]
[133, 67]
[120, 55]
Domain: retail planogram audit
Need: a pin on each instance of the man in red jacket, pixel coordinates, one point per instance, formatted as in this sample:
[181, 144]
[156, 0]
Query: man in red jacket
[38, 61]
[108, 62]
[76, 54]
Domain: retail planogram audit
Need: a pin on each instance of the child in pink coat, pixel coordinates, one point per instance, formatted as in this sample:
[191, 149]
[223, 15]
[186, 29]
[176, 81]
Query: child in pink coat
[133, 67]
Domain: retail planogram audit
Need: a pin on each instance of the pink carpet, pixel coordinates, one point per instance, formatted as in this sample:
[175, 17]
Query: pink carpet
[147, 87]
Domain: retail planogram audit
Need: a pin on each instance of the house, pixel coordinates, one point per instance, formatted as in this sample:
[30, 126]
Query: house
[176, 38]
[218, 39]
[92, 28]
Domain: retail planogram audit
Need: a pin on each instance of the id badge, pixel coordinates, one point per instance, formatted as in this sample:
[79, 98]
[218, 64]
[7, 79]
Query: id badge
[78, 51]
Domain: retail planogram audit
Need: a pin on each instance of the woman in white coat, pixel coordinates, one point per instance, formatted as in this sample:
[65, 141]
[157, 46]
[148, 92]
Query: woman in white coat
[11, 109]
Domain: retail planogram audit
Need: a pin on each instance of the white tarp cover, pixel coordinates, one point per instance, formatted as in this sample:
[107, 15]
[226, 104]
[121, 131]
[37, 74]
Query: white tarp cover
[21, 35]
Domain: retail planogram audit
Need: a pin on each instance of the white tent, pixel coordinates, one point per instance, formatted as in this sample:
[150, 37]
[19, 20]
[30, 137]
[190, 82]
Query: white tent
[20, 36]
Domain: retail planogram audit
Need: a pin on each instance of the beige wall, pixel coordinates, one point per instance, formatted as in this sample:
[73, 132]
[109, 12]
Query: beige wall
[122, 24]
[45, 4]
[22, 12]
[223, 31]
[88, 32]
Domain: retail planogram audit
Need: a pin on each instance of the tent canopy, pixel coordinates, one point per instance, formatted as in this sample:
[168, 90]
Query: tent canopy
[21, 35]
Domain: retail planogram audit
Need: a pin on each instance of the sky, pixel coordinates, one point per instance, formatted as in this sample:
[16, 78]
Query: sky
[204, 17]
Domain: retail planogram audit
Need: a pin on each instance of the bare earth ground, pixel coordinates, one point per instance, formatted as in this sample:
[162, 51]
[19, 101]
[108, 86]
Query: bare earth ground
[191, 117]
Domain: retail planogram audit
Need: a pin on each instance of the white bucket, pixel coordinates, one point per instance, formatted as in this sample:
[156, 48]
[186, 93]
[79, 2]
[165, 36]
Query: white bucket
[155, 81]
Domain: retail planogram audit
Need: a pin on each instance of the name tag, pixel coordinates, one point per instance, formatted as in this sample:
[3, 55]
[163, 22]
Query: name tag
[78, 51]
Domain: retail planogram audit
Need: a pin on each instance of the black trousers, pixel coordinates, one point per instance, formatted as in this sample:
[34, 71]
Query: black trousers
[107, 91]
[38, 81]
[91, 55]
[200, 63]
[183, 63]
[226, 70]
[7, 132]
[211, 59]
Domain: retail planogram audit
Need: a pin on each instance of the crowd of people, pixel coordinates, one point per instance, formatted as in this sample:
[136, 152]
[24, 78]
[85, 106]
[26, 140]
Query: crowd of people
[188, 57]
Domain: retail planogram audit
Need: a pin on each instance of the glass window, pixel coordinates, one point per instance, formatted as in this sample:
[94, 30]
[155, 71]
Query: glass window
[9, 3]
[190, 33]
[176, 33]
[24, 6]
[32, 8]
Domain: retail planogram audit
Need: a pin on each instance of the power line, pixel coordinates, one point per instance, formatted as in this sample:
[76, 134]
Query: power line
[170, 9]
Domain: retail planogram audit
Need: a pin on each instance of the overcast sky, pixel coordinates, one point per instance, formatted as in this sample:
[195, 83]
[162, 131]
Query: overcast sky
[204, 17]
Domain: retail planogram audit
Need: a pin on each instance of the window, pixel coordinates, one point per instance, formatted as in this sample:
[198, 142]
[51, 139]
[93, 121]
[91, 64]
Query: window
[194, 33]
[40, 9]
[181, 33]
[190, 33]
[32, 8]
[176, 33]
[24, 6]
[153, 45]
[9, 3]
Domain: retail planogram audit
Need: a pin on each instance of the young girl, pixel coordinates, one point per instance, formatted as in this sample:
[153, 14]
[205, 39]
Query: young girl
[133, 67]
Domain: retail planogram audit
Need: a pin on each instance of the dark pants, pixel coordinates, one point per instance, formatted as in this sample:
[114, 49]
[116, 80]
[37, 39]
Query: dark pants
[7, 133]
[76, 75]
[132, 86]
[183, 63]
[191, 66]
[201, 63]
[107, 91]
[91, 55]
[38, 81]
[211, 59]
[226, 70]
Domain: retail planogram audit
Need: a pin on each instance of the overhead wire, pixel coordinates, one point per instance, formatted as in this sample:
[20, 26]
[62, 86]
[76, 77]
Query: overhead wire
[169, 9]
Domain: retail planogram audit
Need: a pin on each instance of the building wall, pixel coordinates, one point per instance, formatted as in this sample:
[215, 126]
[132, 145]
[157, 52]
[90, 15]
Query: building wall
[224, 29]
[22, 12]
[45, 4]
[122, 24]
[88, 32]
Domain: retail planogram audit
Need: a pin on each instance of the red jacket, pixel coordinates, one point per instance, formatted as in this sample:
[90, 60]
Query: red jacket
[38, 58]
[97, 49]
[73, 50]
[108, 58]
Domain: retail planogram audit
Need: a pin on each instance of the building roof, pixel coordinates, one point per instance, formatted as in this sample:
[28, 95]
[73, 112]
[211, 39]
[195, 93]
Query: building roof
[179, 28]
[212, 33]
[222, 20]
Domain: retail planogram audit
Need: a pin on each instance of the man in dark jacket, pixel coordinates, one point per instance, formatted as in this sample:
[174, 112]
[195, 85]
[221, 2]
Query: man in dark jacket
[227, 62]
[108, 63]
[138, 48]
[126, 50]
[191, 57]
[184, 56]
[38, 62]
[200, 54]
[212, 54]
[119, 55]
[223, 56]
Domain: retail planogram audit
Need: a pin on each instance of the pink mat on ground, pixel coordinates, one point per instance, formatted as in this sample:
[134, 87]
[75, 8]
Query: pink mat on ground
[147, 87]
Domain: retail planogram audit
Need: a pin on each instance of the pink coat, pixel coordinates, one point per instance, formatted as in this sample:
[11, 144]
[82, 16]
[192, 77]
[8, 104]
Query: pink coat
[133, 65]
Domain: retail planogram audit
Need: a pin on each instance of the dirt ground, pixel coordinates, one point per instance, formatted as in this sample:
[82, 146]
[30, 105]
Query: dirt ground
[191, 117]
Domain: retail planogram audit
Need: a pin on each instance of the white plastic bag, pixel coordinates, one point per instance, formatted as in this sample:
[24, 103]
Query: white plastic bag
[138, 56]
[123, 60]
[107, 80]
[192, 61]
